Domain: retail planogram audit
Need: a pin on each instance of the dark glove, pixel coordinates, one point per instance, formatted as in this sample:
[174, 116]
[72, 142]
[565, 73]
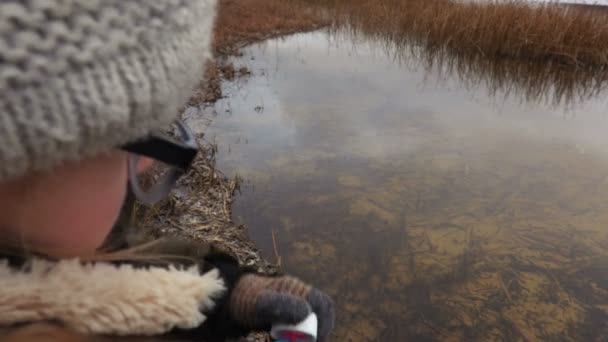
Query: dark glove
[259, 302]
[252, 302]
[255, 302]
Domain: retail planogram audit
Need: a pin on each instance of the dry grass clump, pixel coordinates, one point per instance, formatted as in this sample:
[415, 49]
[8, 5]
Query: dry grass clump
[200, 209]
[570, 35]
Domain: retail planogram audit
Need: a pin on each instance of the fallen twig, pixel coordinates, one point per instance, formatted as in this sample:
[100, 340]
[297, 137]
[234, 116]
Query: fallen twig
[504, 288]
[277, 257]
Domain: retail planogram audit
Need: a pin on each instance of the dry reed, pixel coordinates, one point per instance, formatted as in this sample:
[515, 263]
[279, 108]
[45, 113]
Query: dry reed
[571, 35]
[549, 52]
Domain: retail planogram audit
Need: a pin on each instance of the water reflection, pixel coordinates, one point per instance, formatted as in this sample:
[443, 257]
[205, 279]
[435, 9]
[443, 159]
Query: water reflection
[429, 210]
[551, 83]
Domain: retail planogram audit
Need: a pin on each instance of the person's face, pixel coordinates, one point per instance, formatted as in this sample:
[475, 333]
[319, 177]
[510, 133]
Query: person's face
[70, 210]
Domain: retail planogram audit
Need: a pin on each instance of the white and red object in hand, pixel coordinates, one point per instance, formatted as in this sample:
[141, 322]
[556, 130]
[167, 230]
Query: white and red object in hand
[305, 331]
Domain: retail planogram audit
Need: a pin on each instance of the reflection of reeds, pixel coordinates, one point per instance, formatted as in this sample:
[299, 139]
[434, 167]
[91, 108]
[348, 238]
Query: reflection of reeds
[549, 52]
[528, 80]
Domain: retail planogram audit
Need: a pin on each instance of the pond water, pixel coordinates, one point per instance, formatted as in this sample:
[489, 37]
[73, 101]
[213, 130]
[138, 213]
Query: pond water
[428, 210]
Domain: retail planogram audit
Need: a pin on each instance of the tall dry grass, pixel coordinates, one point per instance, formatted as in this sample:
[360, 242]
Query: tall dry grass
[570, 35]
[548, 52]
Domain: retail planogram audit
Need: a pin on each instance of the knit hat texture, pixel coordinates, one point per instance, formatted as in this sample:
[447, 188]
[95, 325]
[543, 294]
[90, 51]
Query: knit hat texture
[80, 77]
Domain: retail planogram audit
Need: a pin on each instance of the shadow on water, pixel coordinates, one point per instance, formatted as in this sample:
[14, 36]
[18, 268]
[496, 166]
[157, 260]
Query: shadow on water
[428, 207]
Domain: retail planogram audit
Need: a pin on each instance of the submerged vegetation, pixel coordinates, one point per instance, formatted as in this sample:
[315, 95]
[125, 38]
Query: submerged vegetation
[543, 51]
[478, 236]
[428, 215]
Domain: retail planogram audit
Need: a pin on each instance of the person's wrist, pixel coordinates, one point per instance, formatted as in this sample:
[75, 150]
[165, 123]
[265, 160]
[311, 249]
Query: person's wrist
[220, 323]
[230, 270]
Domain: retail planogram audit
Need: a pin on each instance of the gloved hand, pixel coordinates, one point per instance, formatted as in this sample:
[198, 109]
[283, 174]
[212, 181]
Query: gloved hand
[260, 301]
[255, 302]
[252, 302]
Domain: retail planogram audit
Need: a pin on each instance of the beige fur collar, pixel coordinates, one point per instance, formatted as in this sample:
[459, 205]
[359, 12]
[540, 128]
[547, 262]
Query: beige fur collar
[107, 299]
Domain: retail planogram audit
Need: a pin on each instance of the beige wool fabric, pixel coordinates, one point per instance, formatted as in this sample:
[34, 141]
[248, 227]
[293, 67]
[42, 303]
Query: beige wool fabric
[106, 299]
[78, 78]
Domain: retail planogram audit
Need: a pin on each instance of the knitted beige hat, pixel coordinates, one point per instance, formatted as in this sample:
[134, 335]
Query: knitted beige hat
[79, 77]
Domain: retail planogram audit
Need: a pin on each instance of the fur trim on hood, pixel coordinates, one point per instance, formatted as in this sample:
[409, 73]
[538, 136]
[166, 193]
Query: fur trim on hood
[102, 298]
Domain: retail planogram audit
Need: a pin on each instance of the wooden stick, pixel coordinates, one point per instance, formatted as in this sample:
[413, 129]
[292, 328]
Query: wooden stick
[504, 288]
[276, 250]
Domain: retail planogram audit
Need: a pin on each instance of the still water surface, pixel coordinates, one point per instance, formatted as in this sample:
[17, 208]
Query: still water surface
[427, 210]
